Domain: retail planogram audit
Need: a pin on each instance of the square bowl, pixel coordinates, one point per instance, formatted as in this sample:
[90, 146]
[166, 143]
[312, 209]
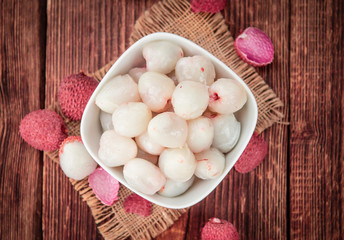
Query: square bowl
[91, 130]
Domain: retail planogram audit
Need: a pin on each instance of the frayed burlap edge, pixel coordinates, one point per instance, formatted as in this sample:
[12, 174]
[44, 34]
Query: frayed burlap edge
[113, 222]
[210, 32]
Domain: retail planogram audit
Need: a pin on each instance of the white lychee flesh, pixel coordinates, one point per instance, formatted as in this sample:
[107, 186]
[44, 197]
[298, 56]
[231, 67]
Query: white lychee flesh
[155, 90]
[120, 89]
[143, 176]
[210, 164]
[131, 119]
[115, 150]
[178, 164]
[136, 73]
[106, 120]
[146, 144]
[75, 161]
[226, 96]
[168, 130]
[173, 188]
[173, 76]
[226, 132]
[162, 56]
[190, 99]
[200, 134]
[196, 68]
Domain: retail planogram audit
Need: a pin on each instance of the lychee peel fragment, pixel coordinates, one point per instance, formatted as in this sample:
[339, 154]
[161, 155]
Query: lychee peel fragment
[104, 186]
[253, 154]
[138, 205]
[254, 47]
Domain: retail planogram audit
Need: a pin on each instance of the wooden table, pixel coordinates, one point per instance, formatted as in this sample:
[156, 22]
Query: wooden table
[296, 193]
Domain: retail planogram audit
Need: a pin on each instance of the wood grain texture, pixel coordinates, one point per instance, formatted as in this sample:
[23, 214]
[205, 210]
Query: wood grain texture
[22, 80]
[81, 35]
[296, 193]
[316, 116]
[256, 202]
[242, 198]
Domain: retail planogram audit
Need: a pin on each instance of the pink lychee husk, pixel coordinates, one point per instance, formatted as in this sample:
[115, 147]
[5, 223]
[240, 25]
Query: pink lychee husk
[219, 229]
[74, 92]
[43, 129]
[138, 205]
[208, 6]
[254, 47]
[104, 186]
[253, 154]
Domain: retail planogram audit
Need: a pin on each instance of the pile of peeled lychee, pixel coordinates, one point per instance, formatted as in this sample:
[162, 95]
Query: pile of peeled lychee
[167, 123]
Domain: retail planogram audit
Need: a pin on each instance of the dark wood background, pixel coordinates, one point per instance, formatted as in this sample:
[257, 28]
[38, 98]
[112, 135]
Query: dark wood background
[296, 193]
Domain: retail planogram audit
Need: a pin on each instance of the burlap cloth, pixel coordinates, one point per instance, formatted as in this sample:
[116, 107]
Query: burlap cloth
[210, 32]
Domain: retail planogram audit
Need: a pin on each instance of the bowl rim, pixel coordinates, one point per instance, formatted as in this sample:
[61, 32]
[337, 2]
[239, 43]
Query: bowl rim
[156, 37]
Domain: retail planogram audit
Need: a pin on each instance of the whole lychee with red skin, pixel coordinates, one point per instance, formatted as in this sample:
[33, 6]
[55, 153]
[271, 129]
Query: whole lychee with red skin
[254, 47]
[43, 129]
[209, 6]
[219, 229]
[253, 155]
[74, 92]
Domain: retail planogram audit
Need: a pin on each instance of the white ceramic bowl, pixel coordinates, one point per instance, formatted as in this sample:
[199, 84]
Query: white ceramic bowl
[91, 129]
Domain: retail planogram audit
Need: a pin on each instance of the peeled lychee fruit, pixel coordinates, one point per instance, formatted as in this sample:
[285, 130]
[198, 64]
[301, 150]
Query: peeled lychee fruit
[253, 154]
[104, 186]
[190, 99]
[136, 73]
[201, 134]
[156, 90]
[226, 131]
[143, 176]
[131, 119]
[254, 47]
[74, 92]
[173, 188]
[196, 68]
[168, 130]
[138, 205]
[115, 150]
[146, 144]
[178, 164]
[43, 129]
[210, 164]
[226, 96]
[209, 6]
[162, 56]
[118, 90]
[75, 161]
[106, 120]
[219, 229]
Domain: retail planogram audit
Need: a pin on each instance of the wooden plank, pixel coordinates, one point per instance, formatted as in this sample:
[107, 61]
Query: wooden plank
[316, 115]
[177, 230]
[81, 35]
[22, 51]
[256, 203]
